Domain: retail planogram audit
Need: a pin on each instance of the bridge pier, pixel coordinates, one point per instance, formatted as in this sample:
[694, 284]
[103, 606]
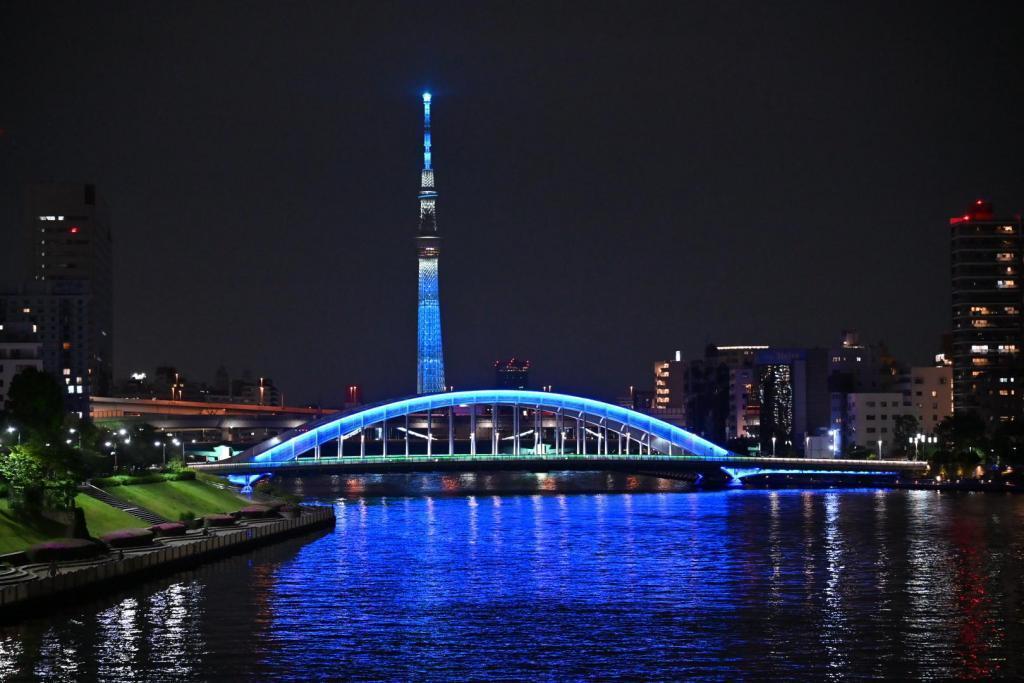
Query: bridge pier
[472, 430]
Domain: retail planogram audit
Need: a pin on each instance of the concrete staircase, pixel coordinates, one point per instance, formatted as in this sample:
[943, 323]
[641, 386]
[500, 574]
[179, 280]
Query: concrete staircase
[113, 501]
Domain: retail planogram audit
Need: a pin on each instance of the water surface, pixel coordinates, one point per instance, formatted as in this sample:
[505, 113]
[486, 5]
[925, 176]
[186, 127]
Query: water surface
[734, 584]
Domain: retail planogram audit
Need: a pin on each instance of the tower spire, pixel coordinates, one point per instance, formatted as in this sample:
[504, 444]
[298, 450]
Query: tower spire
[430, 350]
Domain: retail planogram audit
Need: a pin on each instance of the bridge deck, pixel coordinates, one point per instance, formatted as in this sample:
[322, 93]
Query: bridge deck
[549, 462]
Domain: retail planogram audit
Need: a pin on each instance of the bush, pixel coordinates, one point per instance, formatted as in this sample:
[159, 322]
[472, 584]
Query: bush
[133, 480]
[128, 538]
[169, 529]
[219, 520]
[186, 516]
[61, 549]
[256, 512]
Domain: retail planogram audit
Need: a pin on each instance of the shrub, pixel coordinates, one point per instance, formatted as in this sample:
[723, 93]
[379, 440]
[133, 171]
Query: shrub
[169, 529]
[60, 549]
[128, 538]
[179, 476]
[256, 512]
[186, 516]
[219, 520]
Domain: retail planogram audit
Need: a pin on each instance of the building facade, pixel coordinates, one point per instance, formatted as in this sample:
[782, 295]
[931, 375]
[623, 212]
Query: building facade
[69, 289]
[986, 257]
[668, 384]
[928, 391]
[873, 420]
[20, 349]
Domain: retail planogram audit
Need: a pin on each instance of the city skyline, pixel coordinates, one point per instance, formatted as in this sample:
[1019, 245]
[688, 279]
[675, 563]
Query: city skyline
[708, 217]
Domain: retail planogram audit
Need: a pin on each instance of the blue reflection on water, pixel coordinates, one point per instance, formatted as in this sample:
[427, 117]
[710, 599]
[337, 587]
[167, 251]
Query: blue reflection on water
[737, 584]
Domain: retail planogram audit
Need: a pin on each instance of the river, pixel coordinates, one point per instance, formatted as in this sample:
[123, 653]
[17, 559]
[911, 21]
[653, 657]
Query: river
[446, 580]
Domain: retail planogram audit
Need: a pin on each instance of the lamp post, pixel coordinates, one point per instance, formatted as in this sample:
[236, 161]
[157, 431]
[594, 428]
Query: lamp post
[74, 431]
[879, 449]
[182, 444]
[113, 452]
[164, 445]
[15, 430]
[773, 446]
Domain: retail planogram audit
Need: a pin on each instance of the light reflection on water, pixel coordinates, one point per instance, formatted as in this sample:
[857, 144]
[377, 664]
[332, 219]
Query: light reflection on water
[734, 584]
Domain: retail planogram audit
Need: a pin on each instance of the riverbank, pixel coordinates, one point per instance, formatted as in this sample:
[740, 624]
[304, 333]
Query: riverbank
[31, 588]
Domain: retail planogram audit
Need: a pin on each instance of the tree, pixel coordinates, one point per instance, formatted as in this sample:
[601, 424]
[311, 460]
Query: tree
[35, 403]
[904, 429]
[25, 474]
[962, 436]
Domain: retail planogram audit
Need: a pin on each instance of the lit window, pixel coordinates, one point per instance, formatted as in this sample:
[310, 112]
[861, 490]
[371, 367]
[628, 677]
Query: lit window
[1006, 284]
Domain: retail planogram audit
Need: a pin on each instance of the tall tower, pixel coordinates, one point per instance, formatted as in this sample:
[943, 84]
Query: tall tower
[430, 349]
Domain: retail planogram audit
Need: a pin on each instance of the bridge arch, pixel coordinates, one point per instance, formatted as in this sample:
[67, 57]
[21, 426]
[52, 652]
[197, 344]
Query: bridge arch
[602, 420]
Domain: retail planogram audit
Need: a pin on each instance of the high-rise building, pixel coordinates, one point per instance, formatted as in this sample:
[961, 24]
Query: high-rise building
[430, 349]
[512, 374]
[793, 387]
[668, 383]
[987, 324]
[69, 292]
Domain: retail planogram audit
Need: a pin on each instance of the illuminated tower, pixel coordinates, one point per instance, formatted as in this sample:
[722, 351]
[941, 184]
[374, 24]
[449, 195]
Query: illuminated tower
[430, 350]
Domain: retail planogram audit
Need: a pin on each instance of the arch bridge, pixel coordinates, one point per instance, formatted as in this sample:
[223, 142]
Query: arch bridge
[512, 430]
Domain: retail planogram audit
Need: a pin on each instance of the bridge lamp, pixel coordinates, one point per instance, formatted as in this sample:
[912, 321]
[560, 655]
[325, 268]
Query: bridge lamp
[11, 430]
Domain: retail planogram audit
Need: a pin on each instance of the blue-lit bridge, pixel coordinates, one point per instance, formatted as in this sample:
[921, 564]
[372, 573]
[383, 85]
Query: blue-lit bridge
[513, 430]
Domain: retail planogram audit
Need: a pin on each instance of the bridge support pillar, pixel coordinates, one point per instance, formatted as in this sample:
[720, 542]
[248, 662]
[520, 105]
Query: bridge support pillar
[430, 433]
[472, 430]
[451, 431]
[362, 442]
[515, 429]
[407, 435]
[559, 437]
[494, 429]
[384, 437]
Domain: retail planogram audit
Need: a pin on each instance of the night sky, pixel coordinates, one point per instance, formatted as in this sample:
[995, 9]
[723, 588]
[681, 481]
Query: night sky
[616, 182]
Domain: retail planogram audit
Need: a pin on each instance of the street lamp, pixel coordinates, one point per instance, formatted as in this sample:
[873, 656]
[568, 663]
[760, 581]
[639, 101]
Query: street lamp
[13, 430]
[182, 444]
[879, 449]
[113, 452]
[72, 430]
[164, 445]
[773, 446]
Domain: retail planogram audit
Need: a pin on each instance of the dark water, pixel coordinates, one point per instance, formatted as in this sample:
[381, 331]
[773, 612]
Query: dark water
[665, 585]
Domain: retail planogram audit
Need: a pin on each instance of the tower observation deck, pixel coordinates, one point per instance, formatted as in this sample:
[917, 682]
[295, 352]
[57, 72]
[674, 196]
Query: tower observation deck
[430, 349]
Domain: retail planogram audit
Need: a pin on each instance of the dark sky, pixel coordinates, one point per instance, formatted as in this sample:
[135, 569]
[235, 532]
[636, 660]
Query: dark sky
[616, 181]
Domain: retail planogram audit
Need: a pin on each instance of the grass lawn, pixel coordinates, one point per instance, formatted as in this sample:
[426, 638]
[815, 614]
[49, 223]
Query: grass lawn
[171, 498]
[102, 519]
[17, 533]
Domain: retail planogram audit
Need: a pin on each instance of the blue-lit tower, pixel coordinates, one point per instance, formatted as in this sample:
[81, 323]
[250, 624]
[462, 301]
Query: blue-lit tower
[430, 349]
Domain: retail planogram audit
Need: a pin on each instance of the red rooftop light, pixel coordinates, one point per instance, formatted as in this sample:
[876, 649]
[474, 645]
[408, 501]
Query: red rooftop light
[73, 229]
